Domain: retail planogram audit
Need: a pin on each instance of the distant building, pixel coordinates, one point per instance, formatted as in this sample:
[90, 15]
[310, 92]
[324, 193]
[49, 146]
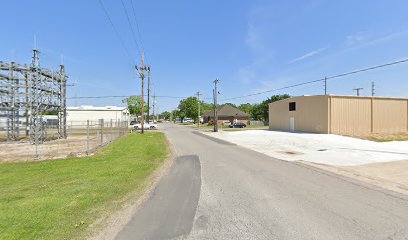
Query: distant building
[344, 115]
[79, 115]
[226, 114]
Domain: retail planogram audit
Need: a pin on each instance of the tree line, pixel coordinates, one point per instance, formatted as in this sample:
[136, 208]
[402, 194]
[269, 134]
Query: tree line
[188, 108]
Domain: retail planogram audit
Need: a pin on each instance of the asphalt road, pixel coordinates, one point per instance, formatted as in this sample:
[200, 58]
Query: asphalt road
[217, 190]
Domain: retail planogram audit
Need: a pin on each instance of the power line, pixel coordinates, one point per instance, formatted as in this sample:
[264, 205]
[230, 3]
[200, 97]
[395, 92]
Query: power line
[131, 27]
[258, 93]
[84, 97]
[147, 57]
[116, 32]
[125, 96]
[322, 79]
[137, 25]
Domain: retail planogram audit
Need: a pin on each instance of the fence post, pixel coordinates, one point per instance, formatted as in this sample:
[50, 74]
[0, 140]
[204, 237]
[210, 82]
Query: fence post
[87, 137]
[101, 125]
[111, 131]
[120, 128]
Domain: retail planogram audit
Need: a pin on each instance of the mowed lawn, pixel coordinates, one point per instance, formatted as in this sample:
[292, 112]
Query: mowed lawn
[59, 199]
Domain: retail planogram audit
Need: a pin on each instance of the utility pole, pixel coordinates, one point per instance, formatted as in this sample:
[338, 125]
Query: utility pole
[325, 85]
[154, 105]
[198, 101]
[372, 89]
[215, 92]
[358, 90]
[141, 75]
[148, 94]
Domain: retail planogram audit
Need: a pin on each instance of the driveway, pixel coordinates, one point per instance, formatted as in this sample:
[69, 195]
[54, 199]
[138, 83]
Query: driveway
[245, 194]
[327, 149]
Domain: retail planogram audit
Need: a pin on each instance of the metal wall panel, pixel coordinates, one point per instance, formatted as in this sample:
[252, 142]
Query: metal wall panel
[310, 116]
[279, 115]
[350, 116]
[345, 115]
[389, 115]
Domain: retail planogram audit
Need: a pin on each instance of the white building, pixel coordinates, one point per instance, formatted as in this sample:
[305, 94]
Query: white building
[80, 115]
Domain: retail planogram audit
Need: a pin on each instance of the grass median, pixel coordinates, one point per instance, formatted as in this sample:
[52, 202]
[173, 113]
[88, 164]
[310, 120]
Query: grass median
[59, 199]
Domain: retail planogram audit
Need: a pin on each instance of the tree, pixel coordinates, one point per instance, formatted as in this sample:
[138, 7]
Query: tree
[134, 104]
[261, 111]
[188, 108]
[175, 114]
[256, 112]
[246, 108]
[165, 115]
[204, 107]
[50, 112]
[231, 104]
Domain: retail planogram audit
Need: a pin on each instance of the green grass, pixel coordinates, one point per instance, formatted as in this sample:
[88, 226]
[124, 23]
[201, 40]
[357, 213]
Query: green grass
[59, 199]
[257, 127]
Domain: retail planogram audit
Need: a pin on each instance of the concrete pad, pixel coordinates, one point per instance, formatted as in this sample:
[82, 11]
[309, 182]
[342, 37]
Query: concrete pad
[317, 148]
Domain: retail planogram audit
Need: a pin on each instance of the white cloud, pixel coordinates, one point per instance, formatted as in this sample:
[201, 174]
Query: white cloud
[356, 38]
[309, 54]
[363, 39]
[246, 74]
[261, 54]
[388, 37]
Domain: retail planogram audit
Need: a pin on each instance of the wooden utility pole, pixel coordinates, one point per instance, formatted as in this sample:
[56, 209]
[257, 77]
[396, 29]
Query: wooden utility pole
[325, 85]
[198, 101]
[216, 81]
[141, 75]
[148, 95]
[154, 105]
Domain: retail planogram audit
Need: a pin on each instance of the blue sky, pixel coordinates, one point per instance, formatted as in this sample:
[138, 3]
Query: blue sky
[250, 46]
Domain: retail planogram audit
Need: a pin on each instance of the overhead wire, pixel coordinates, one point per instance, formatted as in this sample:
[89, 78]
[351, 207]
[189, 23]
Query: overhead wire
[131, 27]
[147, 57]
[137, 25]
[321, 79]
[276, 89]
[116, 32]
[126, 96]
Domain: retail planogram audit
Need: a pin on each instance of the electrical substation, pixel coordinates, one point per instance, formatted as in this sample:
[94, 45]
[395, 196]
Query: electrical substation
[28, 94]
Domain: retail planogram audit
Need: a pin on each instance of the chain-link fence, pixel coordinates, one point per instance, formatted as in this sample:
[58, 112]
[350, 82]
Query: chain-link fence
[84, 138]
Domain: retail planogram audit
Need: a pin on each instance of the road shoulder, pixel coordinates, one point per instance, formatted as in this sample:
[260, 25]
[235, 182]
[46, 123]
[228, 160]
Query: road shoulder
[107, 228]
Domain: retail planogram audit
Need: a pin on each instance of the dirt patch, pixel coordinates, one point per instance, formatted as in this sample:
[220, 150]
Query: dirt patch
[388, 175]
[384, 137]
[290, 152]
[73, 146]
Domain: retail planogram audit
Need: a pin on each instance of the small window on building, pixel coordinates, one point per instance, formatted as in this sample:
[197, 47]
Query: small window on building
[292, 106]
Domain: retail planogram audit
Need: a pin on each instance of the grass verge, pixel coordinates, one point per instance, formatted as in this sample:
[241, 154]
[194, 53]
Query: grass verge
[59, 199]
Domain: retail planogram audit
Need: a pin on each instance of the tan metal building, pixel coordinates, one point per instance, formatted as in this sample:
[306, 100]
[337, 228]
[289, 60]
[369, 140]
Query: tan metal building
[347, 115]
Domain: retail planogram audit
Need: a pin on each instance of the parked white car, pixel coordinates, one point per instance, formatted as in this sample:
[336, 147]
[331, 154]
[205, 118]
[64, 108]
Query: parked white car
[150, 125]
